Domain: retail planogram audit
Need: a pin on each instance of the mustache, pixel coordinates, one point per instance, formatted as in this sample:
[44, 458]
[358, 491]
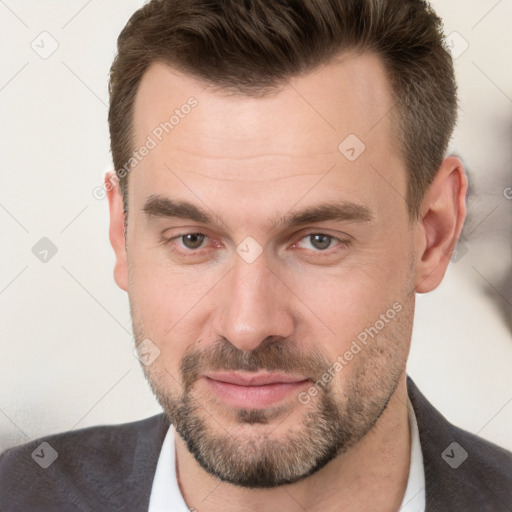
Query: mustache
[281, 355]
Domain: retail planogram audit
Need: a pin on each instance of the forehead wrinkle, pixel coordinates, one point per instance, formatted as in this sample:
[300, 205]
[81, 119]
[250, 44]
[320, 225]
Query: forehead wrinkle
[277, 178]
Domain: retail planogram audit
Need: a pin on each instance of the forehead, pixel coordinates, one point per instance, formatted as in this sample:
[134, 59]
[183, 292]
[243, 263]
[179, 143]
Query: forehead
[304, 128]
[350, 95]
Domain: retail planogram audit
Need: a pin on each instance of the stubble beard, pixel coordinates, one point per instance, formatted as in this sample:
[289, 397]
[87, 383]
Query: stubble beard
[271, 457]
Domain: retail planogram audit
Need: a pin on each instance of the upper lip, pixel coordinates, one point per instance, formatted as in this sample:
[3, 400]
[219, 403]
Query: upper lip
[254, 379]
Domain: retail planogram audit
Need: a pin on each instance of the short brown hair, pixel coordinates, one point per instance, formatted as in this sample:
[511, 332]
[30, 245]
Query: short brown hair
[253, 46]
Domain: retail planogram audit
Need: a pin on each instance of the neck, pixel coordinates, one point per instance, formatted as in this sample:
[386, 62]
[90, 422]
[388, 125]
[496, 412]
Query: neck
[373, 471]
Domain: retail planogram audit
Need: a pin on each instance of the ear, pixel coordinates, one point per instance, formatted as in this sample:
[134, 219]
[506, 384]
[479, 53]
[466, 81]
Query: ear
[116, 231]
[442, 215]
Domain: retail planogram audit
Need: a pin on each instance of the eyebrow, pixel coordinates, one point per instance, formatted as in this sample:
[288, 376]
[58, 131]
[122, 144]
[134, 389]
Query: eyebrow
[342, 211]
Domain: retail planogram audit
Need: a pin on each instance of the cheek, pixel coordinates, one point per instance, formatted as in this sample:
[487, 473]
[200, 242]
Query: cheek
[353, 302]
[160, 289]
[375, 355]
[168, 304]
[348, 301]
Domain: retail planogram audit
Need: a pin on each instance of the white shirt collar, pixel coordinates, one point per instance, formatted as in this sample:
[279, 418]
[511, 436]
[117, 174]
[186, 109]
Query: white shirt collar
[165, 492]
[166, 495]
[414, 497]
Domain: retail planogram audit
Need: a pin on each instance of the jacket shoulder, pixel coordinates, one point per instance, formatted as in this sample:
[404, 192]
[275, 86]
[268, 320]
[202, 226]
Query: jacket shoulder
[482, 469]
[86, 469]
[462, 471]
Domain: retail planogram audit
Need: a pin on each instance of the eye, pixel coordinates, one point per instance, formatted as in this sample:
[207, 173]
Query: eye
[197, 244]
[319, 241]
[191, 241]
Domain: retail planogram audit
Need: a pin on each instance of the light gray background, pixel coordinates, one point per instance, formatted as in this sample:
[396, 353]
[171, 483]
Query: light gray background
[66, 346]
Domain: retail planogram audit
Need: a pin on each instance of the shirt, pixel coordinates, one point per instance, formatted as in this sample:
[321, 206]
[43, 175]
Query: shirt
[166, 495]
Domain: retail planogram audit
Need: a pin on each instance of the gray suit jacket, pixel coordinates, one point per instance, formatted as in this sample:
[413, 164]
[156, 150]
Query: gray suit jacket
[111, 468]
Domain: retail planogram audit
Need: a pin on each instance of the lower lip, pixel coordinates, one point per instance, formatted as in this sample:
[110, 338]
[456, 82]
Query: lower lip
[252, 397]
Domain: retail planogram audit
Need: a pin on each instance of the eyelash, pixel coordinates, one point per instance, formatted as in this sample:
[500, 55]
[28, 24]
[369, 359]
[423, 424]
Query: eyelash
[341, 242]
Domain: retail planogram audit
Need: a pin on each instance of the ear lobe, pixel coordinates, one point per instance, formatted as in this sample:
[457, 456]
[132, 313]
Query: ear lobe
[442, 216]
[116, 230]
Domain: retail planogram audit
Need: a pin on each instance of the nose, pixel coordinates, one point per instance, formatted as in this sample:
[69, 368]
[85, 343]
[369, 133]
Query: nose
[254, 305]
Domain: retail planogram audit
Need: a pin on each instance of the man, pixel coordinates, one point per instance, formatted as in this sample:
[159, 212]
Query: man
[281, 193]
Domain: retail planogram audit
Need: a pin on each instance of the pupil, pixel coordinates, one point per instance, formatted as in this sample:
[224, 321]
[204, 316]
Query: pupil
[321, 241]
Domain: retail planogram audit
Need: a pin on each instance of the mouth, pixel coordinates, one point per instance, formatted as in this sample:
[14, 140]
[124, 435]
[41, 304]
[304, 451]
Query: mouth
[254, 390]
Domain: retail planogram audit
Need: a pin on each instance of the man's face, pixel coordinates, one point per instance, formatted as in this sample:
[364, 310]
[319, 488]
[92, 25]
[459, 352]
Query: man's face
[249, 309]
